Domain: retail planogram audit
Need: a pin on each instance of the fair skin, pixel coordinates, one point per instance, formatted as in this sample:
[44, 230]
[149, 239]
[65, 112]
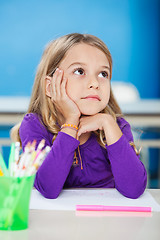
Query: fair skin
[80, 89]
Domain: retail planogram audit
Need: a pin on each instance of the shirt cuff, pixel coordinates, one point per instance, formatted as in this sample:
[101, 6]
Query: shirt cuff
[117, 145]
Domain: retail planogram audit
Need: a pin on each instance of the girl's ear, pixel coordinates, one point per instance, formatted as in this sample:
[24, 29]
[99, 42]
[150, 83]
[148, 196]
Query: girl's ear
[48, 86]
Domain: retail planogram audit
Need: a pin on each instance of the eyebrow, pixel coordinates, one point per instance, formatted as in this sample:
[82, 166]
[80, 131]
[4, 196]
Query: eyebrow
[76, 63]
[80, 63]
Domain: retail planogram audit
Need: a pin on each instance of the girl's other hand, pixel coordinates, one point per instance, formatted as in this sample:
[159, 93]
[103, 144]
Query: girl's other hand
[58, 94]
[89, 124]
[101, 121]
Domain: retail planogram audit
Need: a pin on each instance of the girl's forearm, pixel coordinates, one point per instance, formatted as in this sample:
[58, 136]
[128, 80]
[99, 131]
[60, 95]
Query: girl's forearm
[53, 173]
[111, 129]
[129, 172]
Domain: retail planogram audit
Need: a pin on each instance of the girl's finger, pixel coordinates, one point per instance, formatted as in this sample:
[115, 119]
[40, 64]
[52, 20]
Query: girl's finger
[63, 87]
[58, 83]
[53, 87]
[82, 127]
[81, 131]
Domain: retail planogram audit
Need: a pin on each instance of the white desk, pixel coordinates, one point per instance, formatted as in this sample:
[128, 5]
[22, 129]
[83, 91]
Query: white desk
[65, 225]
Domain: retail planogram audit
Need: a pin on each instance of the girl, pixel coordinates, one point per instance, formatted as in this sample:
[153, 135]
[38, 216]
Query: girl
[72, 107]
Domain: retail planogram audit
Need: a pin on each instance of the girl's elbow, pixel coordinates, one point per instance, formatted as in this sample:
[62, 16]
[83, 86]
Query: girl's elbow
[134, 191]
[49, 195]
[135, 194]
[48, 192]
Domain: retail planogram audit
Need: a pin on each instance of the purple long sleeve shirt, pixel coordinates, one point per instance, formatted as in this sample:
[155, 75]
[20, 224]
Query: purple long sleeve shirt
[116, 166]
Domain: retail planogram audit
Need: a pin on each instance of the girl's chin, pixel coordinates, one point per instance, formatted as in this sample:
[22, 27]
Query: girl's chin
[89, 113]
[90, 110]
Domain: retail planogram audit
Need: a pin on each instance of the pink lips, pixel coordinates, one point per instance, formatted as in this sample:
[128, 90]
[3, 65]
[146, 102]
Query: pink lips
[92, 97]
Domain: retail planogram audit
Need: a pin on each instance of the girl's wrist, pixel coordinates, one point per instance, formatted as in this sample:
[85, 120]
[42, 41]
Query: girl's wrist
[106, 121]
[72, 120]
[111, 129]
[70, 126]
[70, 129]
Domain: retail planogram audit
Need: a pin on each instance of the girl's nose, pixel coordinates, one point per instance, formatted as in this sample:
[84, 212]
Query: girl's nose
[93, 82]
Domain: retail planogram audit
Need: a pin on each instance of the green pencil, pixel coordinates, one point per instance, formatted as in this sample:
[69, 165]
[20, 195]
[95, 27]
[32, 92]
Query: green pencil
[3, 166]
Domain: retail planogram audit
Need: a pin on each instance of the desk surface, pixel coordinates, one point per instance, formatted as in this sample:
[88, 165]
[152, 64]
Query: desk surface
[45, 224]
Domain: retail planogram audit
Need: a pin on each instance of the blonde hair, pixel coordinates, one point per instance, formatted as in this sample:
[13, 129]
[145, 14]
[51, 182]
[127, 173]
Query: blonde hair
[51, 58]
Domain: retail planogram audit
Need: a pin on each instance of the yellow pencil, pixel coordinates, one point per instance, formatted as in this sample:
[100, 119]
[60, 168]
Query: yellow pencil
[1, 173]
[3, 167]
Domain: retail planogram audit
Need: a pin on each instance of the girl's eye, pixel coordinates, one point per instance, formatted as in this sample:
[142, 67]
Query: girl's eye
[103, 74]
[79, 71]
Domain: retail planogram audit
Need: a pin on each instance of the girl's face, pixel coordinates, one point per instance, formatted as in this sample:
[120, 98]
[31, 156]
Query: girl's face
[88, 73]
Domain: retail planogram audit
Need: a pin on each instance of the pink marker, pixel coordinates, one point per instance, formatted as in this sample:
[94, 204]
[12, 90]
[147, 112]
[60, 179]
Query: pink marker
[112, 208]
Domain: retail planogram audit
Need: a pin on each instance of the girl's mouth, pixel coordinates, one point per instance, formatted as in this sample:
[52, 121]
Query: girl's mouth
[92, 97]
